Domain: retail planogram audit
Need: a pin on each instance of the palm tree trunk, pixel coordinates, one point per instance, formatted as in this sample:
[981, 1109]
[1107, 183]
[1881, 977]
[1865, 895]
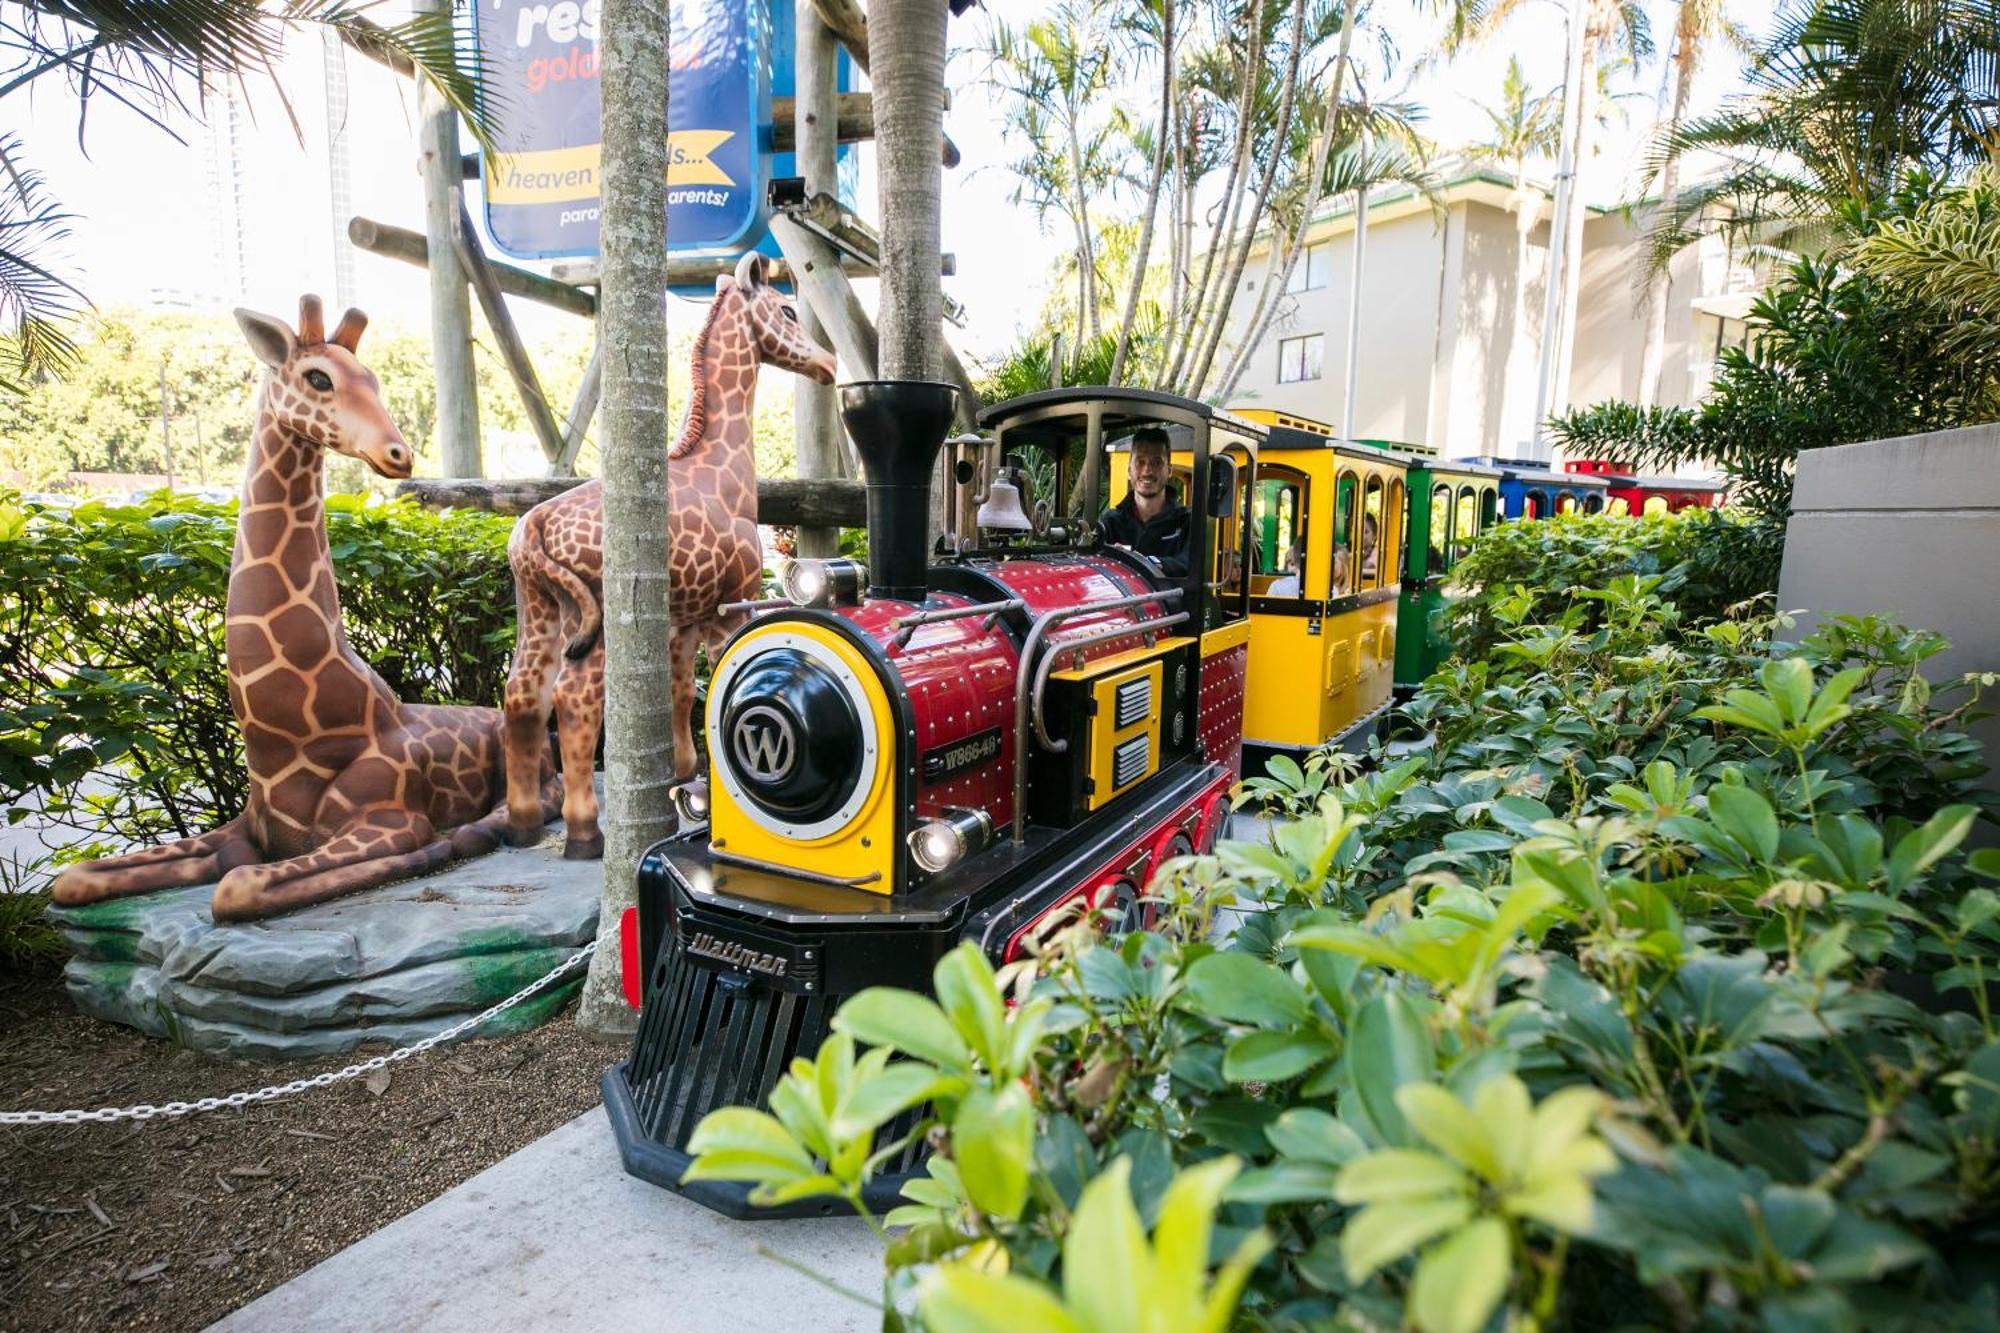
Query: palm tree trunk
[1652, 361]
[1231, 195]
[1280, 276]
[1086, 252]
[907, 51]
[638, 683]
[1226, 294]
[1145, 246]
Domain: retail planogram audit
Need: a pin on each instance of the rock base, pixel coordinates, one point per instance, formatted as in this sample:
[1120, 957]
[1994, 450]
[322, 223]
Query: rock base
[393, 965]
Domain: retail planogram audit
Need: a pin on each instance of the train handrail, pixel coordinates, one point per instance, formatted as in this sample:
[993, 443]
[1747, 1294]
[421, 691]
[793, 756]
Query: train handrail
[1059, 744]
[908, 625]
[1038, 634]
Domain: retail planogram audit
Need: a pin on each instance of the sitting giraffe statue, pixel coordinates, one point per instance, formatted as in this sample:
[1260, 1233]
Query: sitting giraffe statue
[349, 786]
[715, 558]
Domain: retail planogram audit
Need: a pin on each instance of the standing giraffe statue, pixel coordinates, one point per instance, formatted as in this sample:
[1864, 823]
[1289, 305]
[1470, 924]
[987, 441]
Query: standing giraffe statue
[557, 552]
[349, 786]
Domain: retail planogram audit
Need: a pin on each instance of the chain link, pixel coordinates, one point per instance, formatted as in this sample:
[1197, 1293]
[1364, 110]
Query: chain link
[110, 1114]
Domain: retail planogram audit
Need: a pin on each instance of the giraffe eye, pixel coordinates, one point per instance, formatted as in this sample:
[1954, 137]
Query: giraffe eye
[790, 314]
[320, 380]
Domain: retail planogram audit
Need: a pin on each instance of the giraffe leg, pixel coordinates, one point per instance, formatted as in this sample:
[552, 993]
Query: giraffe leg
[378, 846]
[195, 860]
[529, 697]
[580, 721]
[681, 643]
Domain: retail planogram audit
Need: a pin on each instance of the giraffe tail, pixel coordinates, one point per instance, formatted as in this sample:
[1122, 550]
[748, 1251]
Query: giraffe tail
[532, 559]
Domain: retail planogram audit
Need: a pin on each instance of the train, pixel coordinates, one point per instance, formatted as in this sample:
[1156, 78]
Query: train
[980, 737]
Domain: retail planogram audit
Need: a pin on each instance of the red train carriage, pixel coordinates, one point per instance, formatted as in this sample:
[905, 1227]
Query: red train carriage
[936, 750]
[1630, 494]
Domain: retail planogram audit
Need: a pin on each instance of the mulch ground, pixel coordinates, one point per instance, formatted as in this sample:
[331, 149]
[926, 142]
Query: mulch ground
[171, 1224]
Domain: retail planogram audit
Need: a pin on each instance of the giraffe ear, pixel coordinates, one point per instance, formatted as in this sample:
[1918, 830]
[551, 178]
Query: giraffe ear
[269, 337]
[723, 282]
[750, 270]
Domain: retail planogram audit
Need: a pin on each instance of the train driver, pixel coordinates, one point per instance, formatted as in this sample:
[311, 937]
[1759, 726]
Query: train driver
[1149, 519]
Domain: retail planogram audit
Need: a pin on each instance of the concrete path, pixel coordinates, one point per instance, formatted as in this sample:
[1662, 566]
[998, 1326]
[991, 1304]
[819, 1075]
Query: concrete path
[559, 1237]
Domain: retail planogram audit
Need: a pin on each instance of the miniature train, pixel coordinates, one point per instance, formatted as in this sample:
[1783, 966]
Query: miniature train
[971, 741]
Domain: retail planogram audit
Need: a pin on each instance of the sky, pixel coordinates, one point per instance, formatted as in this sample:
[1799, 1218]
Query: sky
[144, 231]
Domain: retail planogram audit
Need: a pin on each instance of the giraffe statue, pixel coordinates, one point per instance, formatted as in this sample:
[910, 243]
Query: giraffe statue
[349, 786]
[557, 552]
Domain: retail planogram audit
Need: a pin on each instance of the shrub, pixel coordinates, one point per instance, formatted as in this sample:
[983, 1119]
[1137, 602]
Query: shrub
[1536, 573]
[1657, 993]
[114, 705]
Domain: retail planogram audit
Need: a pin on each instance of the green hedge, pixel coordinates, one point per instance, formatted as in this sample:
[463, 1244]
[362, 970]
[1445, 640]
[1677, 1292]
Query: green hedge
[1528, 573]
[111, 646]
[1658, 992]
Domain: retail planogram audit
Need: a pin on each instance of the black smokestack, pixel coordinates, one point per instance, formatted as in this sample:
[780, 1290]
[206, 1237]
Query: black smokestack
[897, 427]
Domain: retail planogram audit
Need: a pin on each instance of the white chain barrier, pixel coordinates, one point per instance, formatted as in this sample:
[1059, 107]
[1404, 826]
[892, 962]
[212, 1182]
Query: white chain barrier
[110, 1114]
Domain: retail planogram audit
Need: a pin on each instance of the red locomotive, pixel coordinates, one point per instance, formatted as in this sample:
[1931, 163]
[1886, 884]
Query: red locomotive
[935, 750]
[1629, 494]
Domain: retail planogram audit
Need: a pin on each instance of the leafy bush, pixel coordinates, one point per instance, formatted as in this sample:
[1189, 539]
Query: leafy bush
[28, 943]
[1659, 992]
[1535, 573]
[114, 703]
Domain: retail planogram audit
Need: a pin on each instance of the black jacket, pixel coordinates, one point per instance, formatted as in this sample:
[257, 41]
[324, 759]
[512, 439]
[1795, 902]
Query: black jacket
[1164, 536]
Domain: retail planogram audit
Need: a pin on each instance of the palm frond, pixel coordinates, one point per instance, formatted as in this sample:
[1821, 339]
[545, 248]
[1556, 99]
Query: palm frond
[36, 304]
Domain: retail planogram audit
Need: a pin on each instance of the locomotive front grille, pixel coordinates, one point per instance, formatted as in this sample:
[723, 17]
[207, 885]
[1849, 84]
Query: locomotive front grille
[710, 1038]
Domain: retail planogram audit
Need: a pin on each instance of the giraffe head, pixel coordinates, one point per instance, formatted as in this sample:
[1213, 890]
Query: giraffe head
[774, 322]
[319, 392]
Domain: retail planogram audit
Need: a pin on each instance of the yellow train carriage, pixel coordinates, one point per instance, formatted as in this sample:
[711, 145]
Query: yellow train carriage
[1326, 560]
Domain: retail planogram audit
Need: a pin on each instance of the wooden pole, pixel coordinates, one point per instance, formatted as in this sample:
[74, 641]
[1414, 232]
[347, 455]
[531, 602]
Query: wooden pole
[392, 242]
[513, 353]
[816, 114]
[451, 310]
[581, 411]
[781, 501]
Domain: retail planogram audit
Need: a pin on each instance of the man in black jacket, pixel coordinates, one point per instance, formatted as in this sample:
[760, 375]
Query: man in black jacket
[1148, 519]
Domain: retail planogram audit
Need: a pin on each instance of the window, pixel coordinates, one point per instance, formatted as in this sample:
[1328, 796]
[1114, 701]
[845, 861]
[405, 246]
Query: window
[1566, 503]
[1489, 508]
[1280, 534]
[1467, 524]
[1394, 535]
[1343, 533]
[1299, 358]
[1440, 552]
[1312, 269]
[1593, 504]
[1656, 504]
[1536, 505]
[1372, 534]
[1620, 507]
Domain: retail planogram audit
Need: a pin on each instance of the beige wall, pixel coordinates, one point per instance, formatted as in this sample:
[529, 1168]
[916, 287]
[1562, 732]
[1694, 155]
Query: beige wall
[1451, 324]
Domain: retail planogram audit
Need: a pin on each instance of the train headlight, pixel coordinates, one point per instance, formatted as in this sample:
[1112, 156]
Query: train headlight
[691, 800]
[823, 583]
[939, 844]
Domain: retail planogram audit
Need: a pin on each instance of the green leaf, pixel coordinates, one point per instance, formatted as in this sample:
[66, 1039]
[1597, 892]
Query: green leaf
[739, 1129]
[993, 1142]
[1448, 1125]
[1459, 1282]
[1271, 1057]
[1388, 1047]
[1107, 1268]
[1240, 989]
[906, 1022]
[965, 1300]
[1922, 848]
[971, 998]
[881, 1098]
[1789, 682]
[1385, 1232]
[1746, 817]
[1400, 1175]
[1311, 1135]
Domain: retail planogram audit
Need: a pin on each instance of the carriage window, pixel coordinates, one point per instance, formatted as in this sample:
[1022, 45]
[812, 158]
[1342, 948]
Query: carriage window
[1440, 553]
[1656, 504]
[1489, 508]
[1343, 534]
[1393, 536]
[1467, 524]
[1566, 503]
[1618, 506]
[1536, 506]
[1372, 534]
[1593, 503]
[1227, 538]
[1279, 528]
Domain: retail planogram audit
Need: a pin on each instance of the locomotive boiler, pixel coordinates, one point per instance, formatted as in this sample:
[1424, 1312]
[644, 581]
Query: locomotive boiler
[958, 742]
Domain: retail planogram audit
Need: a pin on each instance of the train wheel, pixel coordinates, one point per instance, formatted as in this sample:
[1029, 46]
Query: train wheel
[1119, 909]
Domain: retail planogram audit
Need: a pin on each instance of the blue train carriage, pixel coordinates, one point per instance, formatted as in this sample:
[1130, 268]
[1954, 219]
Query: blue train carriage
[1531, 489]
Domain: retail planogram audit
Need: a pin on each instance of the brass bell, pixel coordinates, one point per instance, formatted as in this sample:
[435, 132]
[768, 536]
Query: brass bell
[1002, 511]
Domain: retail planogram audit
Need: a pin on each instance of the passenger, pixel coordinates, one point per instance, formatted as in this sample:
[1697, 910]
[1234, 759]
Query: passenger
[1340, 561]
[1295, 564]
[1148, 519]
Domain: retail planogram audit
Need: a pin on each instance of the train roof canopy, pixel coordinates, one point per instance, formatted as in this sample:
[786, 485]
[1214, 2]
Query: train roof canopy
[1541, 474]
[1120, 410]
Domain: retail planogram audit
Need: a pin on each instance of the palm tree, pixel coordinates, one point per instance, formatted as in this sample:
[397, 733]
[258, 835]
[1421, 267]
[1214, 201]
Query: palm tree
[147, 56]
[638, 681]
[1057, 71]
[1523, 125]
[1846, 98]
[1153, 20]
[1697, 24]
[907, 52]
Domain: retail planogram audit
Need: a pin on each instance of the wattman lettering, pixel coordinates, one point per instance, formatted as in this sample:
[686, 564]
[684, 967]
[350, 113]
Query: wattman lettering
[705, 945]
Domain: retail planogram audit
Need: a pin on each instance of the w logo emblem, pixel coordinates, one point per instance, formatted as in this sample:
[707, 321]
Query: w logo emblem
[764, 745]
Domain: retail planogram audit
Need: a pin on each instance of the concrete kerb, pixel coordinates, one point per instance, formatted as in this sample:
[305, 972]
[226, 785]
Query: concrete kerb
[557, 1237]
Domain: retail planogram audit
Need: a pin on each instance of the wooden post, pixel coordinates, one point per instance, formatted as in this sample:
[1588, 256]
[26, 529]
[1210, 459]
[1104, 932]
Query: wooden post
[581, 411]
[815, 407]
[472, 258]
[451, 309]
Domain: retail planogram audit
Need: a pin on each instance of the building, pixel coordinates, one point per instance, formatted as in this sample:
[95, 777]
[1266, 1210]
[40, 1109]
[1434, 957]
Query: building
[1451, 316]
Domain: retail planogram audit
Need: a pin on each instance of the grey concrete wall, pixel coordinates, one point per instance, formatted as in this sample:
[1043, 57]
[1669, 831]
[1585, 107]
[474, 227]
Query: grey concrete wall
[1909, 529]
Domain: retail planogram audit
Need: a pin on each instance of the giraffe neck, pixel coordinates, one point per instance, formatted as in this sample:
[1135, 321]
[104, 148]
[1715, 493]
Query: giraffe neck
[717, 431]
[281, 576]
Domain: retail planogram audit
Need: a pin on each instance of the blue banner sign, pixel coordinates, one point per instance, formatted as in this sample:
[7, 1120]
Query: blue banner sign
[541, 61]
